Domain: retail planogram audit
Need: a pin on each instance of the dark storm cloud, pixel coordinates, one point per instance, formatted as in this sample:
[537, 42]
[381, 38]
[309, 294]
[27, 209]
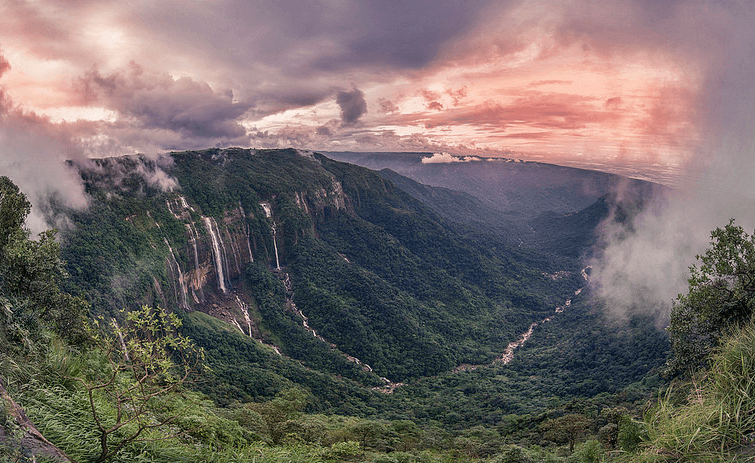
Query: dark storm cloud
[403, 34]
[336, 34]
[152, 101]
[352, 105]
[280, 51]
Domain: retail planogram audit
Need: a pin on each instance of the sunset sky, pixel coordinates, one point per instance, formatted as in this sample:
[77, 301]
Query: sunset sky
[631, 86]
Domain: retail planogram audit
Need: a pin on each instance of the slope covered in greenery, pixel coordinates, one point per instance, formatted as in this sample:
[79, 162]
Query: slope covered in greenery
[376, 273]
[313, 288]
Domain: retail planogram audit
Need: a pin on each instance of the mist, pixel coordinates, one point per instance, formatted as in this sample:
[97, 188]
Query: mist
[34, 158]
[644, 265]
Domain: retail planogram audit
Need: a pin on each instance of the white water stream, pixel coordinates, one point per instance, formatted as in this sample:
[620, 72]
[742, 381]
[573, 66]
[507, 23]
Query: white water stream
[245, 311]
[246, 233]
[181, 280]
[269, 214]
[216, 252]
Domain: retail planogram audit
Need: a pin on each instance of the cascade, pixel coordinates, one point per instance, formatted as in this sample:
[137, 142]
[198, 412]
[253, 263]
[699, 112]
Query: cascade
[223, 251]
[236, 324]
[275, 246]
[184, 204]
[193, 241]
[170, 209]
[181, 281]
[245, 311]
[305, 324]
[269, 215]
[196, 284]
[236, 252]
[508, 354]
[216, 252]
[171, 263]
[267, 209]
[388, 387]
[246, 232]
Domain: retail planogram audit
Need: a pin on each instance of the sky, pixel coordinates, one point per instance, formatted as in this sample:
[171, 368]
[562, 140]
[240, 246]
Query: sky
[618, 85]
[653, 89]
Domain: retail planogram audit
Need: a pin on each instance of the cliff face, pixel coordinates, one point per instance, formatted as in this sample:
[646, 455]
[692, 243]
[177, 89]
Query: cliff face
[196, 224]
[328, 262]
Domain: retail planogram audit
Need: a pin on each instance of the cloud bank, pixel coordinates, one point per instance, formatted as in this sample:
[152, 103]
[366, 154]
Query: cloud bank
[644, 266]
[32, 155]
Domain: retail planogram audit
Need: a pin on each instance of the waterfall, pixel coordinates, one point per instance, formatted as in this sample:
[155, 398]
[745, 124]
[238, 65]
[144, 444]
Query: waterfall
[193, 241]
[245, 311]
[267, 209]
[236, 324]
[184, 204]
[170, 209]
[275, 246]
[223, 252]
[269, 215]
[216, 252]
[181, 281]
[195, 283]
[236, 252]
[246, 232]
[249, 246]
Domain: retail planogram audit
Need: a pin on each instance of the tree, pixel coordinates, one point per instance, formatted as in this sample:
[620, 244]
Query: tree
[147, 360]
[31, 274]
[721, 296]
[280, 411]
[369, 432]
[566, 429]
[14, 207]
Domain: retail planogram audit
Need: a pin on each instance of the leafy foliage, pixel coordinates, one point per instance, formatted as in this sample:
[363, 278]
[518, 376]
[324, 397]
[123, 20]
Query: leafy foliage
[31, 273]
[721, 297]
[714, 420]
[146, 360]
[376, 273]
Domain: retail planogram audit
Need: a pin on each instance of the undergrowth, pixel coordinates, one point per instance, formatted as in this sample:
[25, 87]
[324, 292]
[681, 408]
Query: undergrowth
[717, 422]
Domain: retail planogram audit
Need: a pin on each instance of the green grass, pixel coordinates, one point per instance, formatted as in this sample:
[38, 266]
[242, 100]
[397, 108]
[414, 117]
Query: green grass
[717, 422]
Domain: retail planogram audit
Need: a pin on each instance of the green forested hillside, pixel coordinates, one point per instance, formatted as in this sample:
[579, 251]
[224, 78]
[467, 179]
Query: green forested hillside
[376, 273]
[340, 319]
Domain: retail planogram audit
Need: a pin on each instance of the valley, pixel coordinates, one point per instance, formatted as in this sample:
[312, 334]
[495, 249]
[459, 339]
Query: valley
[298, 274]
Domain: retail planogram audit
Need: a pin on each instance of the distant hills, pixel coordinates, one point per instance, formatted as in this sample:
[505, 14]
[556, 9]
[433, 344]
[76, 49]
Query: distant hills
[520, 189]
[543, 206]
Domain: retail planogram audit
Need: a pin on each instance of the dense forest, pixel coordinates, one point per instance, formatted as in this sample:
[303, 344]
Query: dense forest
[277, 305]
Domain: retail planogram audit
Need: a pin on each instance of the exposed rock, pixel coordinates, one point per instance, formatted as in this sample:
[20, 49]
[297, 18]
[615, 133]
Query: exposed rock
[31, 441]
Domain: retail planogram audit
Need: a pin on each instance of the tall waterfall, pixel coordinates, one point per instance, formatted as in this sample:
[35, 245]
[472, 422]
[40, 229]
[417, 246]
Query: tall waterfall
[275, 246]
[236, 254]
[246, 233]
[195, 283]
[217, 251]
[193, 241]
[181, 280]
[269, 214]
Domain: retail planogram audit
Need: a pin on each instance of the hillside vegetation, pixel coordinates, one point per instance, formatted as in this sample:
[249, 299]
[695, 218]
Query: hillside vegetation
[282, 306]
